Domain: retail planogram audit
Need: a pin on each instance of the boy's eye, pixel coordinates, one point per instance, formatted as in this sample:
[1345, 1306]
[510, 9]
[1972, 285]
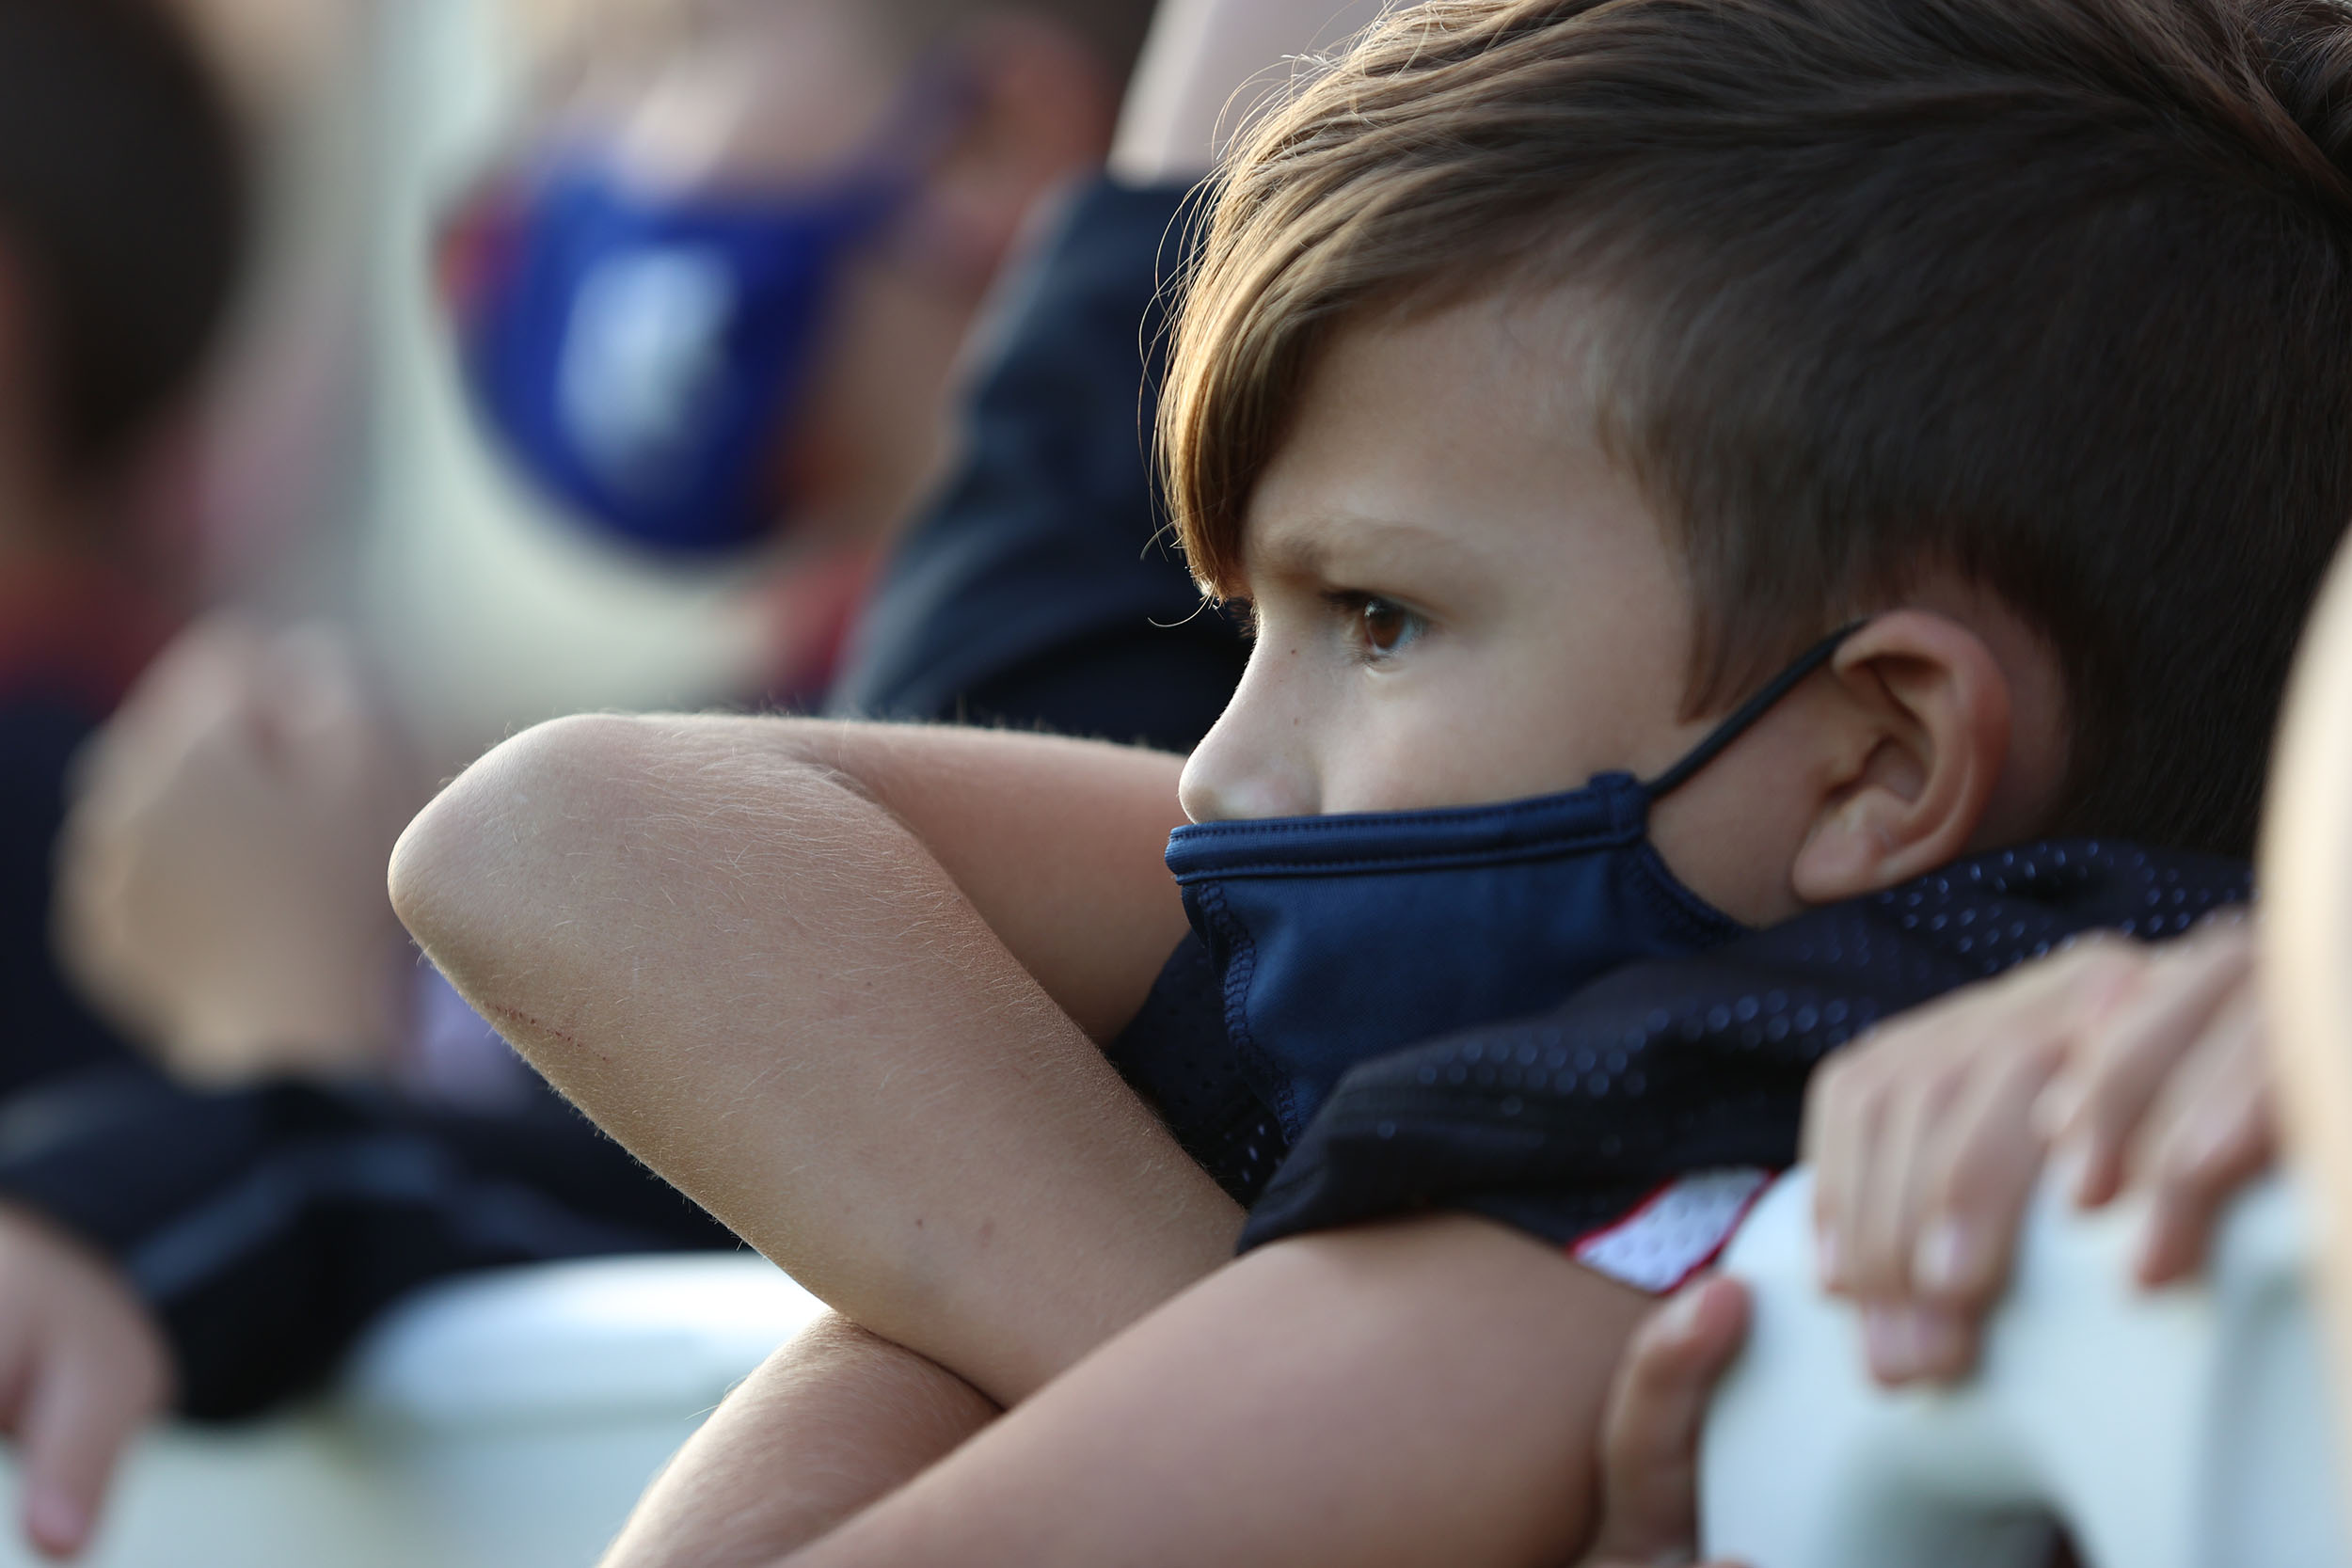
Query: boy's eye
[1385, 627]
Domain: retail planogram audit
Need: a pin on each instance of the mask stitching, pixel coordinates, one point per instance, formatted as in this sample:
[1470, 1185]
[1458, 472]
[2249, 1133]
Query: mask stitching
[1673, 900]
[1407, 860]
[1609, 785]
[1241, 967]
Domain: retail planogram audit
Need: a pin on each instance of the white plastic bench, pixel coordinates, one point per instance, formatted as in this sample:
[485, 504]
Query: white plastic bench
[2187, 1429]
[508, 1420]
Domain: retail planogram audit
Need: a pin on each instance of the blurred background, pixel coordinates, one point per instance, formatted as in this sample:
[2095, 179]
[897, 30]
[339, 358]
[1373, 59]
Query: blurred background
[342, 475]
[380, 377]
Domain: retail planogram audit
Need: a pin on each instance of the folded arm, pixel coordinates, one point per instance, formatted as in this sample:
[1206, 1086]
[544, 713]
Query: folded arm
[1424, 1391]
[837, 982]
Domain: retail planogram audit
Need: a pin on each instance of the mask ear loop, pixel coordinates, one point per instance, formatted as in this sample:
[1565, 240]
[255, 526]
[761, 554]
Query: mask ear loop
[1744, 718]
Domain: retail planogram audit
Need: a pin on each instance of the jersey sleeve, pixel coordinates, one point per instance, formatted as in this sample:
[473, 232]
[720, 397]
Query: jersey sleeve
[1038, 589]
[266, 1228]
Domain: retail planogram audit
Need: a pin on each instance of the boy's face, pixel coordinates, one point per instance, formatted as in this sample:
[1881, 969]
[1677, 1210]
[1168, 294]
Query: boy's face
[1459, 598]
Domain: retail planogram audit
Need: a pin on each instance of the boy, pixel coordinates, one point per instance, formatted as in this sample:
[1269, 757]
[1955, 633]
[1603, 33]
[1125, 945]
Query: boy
[1554, 375]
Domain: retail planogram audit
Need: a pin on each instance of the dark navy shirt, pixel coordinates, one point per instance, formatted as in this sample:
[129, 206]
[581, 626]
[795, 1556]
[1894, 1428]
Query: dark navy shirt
[1039, 589]
[263, 1228]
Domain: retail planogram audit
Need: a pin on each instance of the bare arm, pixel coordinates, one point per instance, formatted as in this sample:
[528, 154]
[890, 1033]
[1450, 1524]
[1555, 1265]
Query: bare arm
[1414, 1393]
[811, 973]
[833, 1419]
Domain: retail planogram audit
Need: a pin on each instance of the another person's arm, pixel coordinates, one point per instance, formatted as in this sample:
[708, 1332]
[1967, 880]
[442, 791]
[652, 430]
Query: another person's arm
[838, 982]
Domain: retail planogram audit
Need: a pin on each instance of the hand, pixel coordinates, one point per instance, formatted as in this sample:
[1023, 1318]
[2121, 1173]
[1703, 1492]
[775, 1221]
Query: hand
[2170, 1095]
[83, 1367]
[1649, 1458]
[2141, 1062]
[220, 885]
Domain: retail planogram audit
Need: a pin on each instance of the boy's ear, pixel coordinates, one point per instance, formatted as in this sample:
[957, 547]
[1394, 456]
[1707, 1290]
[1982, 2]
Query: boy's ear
[1919, 750]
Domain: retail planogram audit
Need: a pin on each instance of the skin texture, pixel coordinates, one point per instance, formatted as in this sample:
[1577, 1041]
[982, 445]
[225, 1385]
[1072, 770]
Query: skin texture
[726, 939]
[844, 1413]
[2304, 856]
[824, 979]
[1326, 1390]
[810, 1412]
[2139, 1068]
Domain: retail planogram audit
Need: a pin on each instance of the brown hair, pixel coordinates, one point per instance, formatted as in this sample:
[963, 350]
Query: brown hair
[2054, 293]
[122, 203]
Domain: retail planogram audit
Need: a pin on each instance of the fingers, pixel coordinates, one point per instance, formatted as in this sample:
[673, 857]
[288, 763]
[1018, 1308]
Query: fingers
[1868, 1102]
[91, 1394]
[1649, 1458]
[1839, 1133]
[82, 1369]
[1927, 1138]
[1900, 1335]
[2130, 1053]
[2210, 1132]
[1975, 1171]
[1925, 1152]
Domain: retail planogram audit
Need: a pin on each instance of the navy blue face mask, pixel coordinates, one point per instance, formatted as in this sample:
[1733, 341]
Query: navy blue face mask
[638, 354]
[1341, 938]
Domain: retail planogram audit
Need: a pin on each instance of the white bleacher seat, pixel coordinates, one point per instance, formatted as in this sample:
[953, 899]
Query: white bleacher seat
[507, 1420]
[2189, 1428]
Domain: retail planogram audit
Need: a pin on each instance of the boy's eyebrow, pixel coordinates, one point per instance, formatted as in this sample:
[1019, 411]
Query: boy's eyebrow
[1341, 543]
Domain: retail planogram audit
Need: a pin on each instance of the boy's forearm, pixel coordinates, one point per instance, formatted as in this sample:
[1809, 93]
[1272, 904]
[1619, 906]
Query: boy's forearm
[831, 1421]
[752, 975]
[1058, 844]
[1422, 1392]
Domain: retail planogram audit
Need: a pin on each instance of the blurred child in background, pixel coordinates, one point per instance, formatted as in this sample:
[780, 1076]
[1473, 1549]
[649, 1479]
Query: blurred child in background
[122, 223]
[712, 307]
[223, 875]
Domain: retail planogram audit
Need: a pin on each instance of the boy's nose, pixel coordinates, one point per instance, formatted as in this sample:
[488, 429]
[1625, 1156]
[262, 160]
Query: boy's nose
[1253, 765]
